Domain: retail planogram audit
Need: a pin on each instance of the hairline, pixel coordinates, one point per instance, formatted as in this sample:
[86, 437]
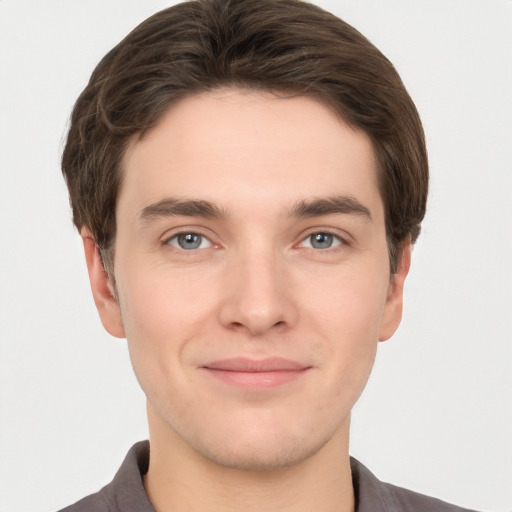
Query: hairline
[108, 253]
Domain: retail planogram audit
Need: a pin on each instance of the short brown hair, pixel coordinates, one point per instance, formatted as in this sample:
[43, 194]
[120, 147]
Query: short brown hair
[282, 46]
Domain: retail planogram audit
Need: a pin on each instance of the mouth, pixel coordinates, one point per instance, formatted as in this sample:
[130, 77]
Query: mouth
[253, 374]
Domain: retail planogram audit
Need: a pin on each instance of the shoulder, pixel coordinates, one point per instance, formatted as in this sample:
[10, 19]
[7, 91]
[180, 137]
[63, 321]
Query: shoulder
[403, 499]
[93, 503]
[126, 491]
[372, 495]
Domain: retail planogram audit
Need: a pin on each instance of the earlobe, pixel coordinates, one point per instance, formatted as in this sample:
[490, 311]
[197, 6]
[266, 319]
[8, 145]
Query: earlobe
[101, 287]
[394, 301]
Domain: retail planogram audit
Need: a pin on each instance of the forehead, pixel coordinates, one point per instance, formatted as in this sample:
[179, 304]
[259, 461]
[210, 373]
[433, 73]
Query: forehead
[232, 145]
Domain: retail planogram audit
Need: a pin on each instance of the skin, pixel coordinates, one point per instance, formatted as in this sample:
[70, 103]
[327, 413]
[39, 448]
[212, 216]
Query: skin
[257, 286]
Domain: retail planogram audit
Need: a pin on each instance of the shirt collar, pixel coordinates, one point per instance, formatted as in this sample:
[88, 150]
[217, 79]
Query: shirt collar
[126, 492]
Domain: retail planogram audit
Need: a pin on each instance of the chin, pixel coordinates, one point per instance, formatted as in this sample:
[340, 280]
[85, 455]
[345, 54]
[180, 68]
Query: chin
[260, 446]
[256, 437]
[260, 456]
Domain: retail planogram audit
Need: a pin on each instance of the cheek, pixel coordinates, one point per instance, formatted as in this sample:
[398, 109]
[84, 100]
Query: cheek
[162, 314]
[156, 302]
[347, 313]
[350, 304]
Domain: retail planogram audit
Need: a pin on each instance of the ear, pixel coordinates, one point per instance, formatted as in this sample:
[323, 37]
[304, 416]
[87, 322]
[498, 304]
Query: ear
[394, 301]
[102, 289]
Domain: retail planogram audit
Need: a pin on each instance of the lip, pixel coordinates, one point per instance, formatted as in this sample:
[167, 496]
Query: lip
[256, 374]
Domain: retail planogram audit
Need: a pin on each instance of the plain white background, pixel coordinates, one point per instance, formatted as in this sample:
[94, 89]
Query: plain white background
[437, 414]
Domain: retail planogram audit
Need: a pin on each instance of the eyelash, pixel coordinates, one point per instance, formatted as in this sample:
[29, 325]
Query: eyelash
[337, 240]
[176, 236]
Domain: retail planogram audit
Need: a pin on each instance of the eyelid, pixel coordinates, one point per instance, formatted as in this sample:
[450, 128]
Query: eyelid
[342, 236]
[203, 239]
[186, 230]
[337, 238]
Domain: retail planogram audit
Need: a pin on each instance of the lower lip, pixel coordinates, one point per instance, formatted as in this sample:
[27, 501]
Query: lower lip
[256, 380]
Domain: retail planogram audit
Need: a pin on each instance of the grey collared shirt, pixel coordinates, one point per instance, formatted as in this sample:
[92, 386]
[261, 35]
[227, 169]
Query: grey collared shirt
[126, 491]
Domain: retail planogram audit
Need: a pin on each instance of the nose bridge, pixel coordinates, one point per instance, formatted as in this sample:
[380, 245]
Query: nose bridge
[257, 297]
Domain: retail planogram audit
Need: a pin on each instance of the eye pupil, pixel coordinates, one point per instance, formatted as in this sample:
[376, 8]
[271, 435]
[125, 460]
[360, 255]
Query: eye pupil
[321, 240]
[189, 241]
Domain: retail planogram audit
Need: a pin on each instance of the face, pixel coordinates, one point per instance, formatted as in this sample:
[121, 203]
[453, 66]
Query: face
[252, 275]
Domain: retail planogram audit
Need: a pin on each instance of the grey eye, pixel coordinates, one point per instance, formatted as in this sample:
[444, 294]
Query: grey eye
[321, 241]
[189, 241]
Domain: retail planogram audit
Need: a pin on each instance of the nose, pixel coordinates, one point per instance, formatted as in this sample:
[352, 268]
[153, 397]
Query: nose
[258, 297]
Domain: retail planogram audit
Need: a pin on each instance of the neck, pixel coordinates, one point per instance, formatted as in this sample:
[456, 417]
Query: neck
[179, 478]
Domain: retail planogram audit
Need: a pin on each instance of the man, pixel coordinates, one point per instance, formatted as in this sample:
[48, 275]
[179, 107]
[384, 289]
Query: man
[248, 178]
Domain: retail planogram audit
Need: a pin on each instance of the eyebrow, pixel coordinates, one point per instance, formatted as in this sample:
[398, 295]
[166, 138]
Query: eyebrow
[330, 205]
[171, 207]
[314, 207]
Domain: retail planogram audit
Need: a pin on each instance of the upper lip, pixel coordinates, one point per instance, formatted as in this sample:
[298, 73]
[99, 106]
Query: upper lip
[243, 364]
